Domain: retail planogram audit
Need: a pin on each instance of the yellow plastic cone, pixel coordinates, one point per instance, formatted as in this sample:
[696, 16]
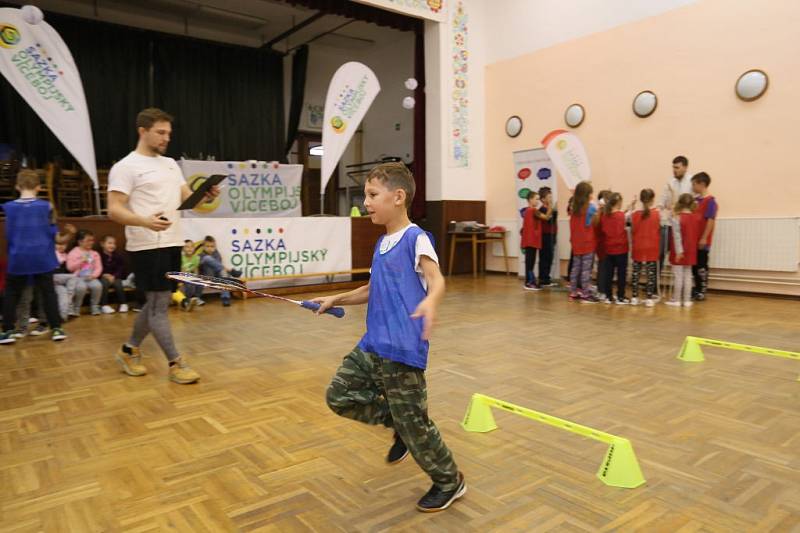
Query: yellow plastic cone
[691, 351]
[478, 417]
[620, 467]
[355, 211]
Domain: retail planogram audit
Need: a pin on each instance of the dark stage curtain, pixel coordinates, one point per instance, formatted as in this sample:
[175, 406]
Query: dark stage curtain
[299, 68]
[227, 100]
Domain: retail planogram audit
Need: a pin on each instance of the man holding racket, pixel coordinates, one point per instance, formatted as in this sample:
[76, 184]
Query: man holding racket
[382, 381]
[144, 192]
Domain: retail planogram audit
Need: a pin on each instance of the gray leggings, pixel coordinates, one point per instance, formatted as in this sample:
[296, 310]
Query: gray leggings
[153, 319]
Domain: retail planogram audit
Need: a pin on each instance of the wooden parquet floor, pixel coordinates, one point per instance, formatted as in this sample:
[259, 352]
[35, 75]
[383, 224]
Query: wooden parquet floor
[253, 447]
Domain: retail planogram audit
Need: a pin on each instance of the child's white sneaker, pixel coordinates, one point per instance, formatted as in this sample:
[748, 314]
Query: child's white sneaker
[688, 303]
[635, 301]
[107, 310]
[123, 308]
[649, 303]
[672, 303]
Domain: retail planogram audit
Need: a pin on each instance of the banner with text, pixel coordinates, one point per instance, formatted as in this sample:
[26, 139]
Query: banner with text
[266, 247]
[38, 64]
[350, 93]
[252, 189]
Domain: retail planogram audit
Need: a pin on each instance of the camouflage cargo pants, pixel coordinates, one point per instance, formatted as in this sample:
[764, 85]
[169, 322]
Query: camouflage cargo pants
[374, 390]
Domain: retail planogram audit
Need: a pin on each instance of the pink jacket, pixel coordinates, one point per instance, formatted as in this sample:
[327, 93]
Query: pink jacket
[86, 264]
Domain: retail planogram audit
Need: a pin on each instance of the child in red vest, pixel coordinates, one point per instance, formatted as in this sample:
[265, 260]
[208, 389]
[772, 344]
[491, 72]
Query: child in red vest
[532, 237]
[706, 217]
[645, 227]
[582, 221]
[683, 250]
[600, 247]
[615, 241]
[549, 236]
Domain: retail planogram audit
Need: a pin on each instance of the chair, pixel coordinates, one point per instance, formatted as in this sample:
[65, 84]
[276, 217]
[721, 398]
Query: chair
[73, 190]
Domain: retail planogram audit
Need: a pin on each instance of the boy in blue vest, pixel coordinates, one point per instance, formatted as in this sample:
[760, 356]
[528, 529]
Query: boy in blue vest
[30, 233]
[382, 381]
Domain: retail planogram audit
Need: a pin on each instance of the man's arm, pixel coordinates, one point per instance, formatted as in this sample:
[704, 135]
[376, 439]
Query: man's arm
[212, 193]
[119, 212]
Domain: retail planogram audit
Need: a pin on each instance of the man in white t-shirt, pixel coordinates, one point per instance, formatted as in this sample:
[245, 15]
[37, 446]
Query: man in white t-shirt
[144, 192]
[680, 183]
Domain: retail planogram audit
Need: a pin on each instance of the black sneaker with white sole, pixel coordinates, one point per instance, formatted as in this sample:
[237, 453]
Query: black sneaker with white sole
[437, 499]
[398, 451]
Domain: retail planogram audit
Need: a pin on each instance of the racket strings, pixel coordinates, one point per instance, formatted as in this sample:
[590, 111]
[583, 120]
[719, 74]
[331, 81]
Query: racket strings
[226, 284]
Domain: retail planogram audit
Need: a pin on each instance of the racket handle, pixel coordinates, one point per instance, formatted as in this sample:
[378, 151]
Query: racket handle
[338, 312]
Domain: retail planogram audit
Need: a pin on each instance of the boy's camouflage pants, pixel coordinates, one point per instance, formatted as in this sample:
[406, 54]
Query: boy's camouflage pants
[374, 390]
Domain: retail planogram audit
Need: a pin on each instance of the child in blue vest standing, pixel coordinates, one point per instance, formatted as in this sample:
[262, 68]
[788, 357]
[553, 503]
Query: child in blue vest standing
[30, 233]
[382, 381]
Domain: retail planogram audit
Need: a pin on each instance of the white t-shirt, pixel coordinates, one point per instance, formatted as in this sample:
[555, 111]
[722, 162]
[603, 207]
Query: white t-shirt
[672, 191]
[423, 246]
[152, 184]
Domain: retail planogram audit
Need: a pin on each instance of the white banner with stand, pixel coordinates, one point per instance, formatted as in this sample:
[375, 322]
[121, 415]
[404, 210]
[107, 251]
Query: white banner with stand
[275, 247]
[533, 169]
[350, 93]
[38, 64]
[252, 188]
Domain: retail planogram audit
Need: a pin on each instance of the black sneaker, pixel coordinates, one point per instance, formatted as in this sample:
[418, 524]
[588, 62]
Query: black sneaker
[235, 273]
[7, 337]
[398, 451]
[700, 296]
[438, 500]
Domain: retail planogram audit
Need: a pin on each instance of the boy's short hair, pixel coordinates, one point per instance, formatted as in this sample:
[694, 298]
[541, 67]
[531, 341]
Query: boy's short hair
[681, 160]
[395, 176]
[147, 117]
[209, 238]
[531, 194]
[188, 241]
[702, 177]
[544, 191]
[107, 236]
[28, 180]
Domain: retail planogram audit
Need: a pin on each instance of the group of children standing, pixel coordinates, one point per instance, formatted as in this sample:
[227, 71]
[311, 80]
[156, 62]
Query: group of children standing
[610, 233]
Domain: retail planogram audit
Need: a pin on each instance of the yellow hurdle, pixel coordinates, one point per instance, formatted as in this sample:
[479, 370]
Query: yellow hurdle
[619, 467]
[692, 353]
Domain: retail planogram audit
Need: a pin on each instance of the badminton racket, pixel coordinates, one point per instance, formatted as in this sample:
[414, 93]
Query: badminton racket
[231, 284]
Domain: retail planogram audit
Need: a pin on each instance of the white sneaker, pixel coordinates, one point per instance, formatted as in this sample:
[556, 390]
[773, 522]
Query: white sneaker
[107, 310]
[635, 301]
[688, 303]
[123, 308]
[672, 303]
[649, 303]
[33, 320]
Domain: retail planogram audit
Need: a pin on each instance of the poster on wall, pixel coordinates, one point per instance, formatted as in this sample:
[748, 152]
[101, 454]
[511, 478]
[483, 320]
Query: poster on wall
[251, 189]
[429, 9]
[533, 170]
[264, 248]
[314, 115]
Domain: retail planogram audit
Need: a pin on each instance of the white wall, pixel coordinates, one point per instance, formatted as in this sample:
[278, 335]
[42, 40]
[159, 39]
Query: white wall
[509, 21]
[445, 181]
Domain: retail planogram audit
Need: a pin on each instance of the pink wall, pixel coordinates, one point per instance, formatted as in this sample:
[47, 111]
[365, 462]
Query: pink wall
[690, 57]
